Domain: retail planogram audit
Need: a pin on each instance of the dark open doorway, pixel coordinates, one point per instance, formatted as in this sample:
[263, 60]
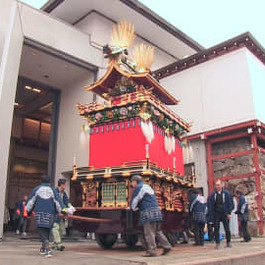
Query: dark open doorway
[33, 141]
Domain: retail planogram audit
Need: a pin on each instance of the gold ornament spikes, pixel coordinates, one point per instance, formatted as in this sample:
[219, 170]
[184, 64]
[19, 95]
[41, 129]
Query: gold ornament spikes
[143, 55]
[122, 34]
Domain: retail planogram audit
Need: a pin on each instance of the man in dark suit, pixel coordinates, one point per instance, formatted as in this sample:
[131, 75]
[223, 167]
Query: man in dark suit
[220, 206]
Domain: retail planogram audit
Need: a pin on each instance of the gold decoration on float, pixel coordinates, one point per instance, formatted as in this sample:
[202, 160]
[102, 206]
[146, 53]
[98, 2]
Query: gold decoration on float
[143, 55]
[123, 34]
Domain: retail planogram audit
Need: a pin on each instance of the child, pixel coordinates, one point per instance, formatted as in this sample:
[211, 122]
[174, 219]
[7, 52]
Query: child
[23, 216]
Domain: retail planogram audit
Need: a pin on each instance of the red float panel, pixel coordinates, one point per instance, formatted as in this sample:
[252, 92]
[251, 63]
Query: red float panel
[116, 143]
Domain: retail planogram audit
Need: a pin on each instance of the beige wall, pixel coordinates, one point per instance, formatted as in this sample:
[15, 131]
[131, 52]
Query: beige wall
[4, 21]
[57, 35]
[8, 81]
[214, 94]
[257, 78]
[69, 126]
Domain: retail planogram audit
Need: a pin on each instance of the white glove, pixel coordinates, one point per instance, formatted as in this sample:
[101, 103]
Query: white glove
[70, 210]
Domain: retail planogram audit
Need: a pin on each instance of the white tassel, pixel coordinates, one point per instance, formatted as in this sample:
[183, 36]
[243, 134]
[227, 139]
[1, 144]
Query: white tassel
[173, 143]
[170, 144]
[151, 131]
[166, 142]
[83, 138]
[148, 131]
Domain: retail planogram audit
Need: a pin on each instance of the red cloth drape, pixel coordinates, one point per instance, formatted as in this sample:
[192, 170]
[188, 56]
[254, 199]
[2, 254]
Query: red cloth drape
[122, 143]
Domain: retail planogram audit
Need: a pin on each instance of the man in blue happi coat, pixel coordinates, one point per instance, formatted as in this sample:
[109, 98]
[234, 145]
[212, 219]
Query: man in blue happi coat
[144, 200]
[242, 212]
[198, 208]
[46, 204]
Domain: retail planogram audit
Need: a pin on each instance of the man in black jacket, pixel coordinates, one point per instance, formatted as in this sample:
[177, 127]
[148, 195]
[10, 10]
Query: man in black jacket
[220, 206]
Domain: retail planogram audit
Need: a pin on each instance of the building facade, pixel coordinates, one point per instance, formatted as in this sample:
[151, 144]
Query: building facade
[47, 56]
[221, 90]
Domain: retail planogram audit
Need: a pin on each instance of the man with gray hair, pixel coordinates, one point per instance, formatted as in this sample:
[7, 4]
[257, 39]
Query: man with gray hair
[220, 205]
[144, 200]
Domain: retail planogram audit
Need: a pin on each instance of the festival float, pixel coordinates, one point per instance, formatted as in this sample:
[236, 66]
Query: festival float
[133, 131]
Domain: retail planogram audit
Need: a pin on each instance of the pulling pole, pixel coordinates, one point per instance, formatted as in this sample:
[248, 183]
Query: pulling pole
[85, 219]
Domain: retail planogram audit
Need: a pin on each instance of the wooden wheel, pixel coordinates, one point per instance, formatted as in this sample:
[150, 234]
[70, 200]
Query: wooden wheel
[130, 240]
[171, 237]
[106, 241]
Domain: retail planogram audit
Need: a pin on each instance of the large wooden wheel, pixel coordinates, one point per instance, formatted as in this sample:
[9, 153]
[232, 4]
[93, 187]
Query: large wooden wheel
[171, 237]
[130, 240]
[106, 241]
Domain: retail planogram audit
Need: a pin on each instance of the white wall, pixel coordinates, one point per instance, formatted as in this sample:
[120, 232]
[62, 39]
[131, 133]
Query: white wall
[195, 152]
[4, 21]
[214, 94]
[100, 29]
[9, 69]
[69, 127]
[50, 32]
[257, 77]
[199, 152]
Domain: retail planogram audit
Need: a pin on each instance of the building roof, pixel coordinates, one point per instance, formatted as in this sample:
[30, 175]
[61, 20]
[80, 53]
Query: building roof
[148, 25]
[243, 129]
[114, 72]
[244, 40]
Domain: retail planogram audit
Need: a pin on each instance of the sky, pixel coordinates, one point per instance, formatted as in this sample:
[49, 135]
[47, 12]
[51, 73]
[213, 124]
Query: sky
[35, 3]
[208, 22]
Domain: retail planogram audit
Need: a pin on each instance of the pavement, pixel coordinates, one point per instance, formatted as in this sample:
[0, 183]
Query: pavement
[15, 251]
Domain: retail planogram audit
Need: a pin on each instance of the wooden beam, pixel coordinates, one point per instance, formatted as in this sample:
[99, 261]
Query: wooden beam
[85, 219]
[229, 137]
[248, 175]
[261, 137]
[32, 106]
[222, 130]
[262, 171]
[231, 155]
[257, 180]
[261, 150]
[101, 208]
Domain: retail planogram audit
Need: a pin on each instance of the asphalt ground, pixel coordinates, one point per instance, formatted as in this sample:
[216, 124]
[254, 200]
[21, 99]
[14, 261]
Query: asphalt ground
[16, 251]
